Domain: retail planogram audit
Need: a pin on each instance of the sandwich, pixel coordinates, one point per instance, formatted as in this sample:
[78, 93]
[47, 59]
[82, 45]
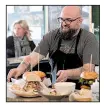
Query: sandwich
[30, 84]
[32, 80]
[87, 78]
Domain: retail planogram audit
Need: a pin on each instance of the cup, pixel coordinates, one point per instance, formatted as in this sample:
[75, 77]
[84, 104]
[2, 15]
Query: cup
[64, 88]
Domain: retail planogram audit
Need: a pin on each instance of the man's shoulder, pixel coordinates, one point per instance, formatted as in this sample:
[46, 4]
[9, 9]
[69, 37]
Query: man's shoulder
[87, 34]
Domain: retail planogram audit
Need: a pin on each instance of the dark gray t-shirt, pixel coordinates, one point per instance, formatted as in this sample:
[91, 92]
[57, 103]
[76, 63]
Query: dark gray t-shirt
[87, 45]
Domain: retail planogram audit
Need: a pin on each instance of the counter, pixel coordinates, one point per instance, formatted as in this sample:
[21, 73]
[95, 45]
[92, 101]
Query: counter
[36, 99]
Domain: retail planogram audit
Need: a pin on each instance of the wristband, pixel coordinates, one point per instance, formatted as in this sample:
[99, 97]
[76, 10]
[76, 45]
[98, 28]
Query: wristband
[28, 66]
[24, 63]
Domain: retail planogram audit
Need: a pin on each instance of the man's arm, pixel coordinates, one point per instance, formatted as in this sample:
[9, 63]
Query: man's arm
[32, 59]
[75, 73]
[63, 75]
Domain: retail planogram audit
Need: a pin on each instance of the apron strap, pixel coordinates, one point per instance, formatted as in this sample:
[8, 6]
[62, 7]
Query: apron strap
[78, 37]
[59, 43]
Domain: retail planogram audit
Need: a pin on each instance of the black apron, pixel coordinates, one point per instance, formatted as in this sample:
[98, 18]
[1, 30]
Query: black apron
[67, 61]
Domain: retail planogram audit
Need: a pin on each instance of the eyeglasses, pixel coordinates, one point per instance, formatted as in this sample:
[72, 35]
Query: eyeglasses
[67, 20]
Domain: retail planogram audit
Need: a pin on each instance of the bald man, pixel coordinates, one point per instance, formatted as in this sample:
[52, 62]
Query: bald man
[70, 48]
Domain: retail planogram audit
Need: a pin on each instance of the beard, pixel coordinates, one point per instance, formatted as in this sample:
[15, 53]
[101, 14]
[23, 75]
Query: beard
[67, 35]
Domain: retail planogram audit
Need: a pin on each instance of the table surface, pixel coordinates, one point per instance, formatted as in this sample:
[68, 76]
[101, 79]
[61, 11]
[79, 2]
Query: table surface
[36, 99]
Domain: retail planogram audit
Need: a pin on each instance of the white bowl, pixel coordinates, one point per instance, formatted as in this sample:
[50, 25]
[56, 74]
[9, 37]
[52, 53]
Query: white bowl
[64, 88]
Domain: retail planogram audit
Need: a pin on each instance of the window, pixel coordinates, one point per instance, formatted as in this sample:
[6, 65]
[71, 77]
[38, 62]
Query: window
[54, 13]
[34, 15]
[96, 20]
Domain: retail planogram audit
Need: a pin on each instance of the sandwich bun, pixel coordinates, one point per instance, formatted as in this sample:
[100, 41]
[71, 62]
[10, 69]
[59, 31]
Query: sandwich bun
[40, 73]
[31, 76]
[85, 87]
[89, 75]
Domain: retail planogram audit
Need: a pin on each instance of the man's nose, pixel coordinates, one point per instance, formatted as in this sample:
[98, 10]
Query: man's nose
[63, 22]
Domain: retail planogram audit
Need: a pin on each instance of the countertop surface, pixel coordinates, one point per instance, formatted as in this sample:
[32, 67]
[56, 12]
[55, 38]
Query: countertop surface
[36, 99]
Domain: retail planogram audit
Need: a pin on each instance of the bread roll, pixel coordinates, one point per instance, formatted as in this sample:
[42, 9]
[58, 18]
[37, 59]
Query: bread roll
[40, 73]
[31, 76]
[89, 75]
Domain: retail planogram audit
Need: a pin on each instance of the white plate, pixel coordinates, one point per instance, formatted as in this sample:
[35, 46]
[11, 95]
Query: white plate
[55, 97]
[23, 93]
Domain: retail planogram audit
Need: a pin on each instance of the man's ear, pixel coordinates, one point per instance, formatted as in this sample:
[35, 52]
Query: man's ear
[80, 20]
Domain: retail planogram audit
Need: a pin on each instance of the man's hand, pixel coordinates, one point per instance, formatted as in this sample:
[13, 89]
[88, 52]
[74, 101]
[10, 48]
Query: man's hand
[62, 75]
[13, 73]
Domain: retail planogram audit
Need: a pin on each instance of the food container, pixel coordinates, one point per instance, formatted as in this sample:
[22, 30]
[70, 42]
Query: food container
[64, 88]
